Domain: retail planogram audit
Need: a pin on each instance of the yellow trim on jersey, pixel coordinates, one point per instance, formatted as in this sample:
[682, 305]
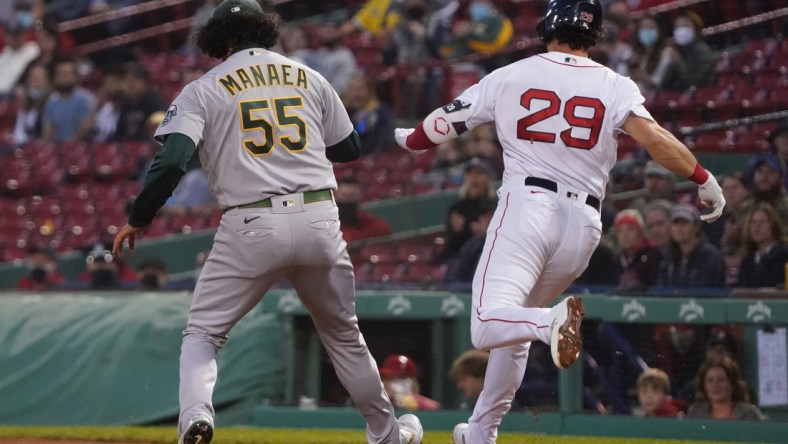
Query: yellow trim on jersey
[503, 37]
[249, 122]
[300, 125]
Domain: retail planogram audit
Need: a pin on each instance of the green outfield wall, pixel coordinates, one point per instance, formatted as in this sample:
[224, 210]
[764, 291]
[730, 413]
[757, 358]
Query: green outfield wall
[112, 359]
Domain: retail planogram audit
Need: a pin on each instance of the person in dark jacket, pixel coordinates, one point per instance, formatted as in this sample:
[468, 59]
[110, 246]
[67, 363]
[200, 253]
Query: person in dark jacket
[691, 261]
[764, 252]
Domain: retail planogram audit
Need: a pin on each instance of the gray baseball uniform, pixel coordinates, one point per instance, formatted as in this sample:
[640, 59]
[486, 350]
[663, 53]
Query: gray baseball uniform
[264, 122]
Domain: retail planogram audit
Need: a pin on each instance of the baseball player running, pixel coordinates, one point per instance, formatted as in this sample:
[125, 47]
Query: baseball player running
[269, 128]
[557, 116]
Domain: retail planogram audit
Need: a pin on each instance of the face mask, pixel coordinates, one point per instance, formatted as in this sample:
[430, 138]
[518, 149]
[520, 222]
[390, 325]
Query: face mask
[479, 11]
[24, 19]
[648, 36]
[683, 35]
[35, 93]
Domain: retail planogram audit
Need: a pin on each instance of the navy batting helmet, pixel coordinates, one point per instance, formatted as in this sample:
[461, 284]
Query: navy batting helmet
[579, 14]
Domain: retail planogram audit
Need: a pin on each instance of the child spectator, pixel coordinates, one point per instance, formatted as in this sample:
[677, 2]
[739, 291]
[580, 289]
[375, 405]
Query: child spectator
[653, 386]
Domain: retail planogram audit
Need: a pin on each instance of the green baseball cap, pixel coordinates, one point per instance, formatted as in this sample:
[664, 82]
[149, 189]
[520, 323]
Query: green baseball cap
[228, 8]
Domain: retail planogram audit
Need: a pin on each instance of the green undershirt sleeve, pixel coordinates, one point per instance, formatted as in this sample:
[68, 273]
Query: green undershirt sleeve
[347, 150]
[168, 167]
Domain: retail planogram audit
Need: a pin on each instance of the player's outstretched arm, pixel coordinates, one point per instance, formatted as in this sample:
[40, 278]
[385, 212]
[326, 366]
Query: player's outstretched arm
[442, 125]
[669, 152]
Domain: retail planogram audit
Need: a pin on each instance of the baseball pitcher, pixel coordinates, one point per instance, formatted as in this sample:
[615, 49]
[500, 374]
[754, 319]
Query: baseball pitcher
[268, 129]
[557, 116]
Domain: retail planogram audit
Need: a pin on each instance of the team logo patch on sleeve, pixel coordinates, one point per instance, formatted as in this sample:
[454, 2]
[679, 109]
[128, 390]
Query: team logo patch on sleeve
[456, 105]
[172, 111]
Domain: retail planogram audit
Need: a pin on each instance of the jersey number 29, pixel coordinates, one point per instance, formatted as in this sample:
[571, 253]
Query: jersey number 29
[283, 119]
[593, 123]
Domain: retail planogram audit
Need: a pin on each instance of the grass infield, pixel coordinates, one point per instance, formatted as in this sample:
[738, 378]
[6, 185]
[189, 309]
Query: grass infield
[156, 435]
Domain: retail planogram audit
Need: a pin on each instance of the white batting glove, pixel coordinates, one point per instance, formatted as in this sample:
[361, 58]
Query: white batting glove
[710, 195]
[401, 136]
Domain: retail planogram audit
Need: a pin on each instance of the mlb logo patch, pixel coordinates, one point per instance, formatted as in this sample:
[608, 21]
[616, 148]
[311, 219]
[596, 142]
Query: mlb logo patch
[235, 9]
[570, 60]
[586, 16]
[289, 203]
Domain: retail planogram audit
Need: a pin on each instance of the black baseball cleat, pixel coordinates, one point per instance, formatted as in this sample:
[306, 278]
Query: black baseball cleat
[200, 431]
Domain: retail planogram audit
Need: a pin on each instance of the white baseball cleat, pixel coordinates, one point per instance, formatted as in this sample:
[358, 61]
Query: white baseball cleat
[565, 340]
[458, 434]
[199, 431]
[410, 429]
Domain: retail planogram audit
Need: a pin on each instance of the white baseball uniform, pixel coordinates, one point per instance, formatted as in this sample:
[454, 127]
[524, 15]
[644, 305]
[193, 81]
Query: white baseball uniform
[557, 117]
[262, 122]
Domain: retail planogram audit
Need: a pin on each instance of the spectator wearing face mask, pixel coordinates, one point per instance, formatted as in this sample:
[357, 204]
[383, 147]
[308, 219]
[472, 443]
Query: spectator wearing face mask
[42, 271]
[335, 61]
[488, 31]
[17, 53]
[652, 55]
[32, 96]
[693, 61]
[355, 223]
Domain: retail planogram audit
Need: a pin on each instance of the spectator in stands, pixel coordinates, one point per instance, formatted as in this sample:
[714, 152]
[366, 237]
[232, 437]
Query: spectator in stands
[694, 60]
[139, 102]
[48, 40]
[295, 44]
[42, 271]
[372, 119]
[721, 344]
[639, 259]
[400, 379]
[653, 386]
[117, 26]
[735, 192]
[483, 143]
[193, 194]
[377, 17]
[657, 218]
[106, 110]
[463, 265]
[103, 271]
[652, 55]
[613, 51]
[467, 373]
[778, 142]
[356, 223]
[67, 110]
[407, 40]
[475, 192]
[335, 61]
[152, 274]
[487, 32]
[17, 53]
[658, 183]
[764, 175]
[723, 393]
[32, 96]
[764, 251]
[690, 261]
[602, 268]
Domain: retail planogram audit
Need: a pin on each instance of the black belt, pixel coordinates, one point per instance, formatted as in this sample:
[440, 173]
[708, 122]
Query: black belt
[548, 184]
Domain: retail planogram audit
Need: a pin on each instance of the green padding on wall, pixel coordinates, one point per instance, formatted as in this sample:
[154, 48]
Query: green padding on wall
[113, 359]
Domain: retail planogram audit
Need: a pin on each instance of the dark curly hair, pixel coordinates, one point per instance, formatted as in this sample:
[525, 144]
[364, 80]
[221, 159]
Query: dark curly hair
[575, 38]
[217, 37]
